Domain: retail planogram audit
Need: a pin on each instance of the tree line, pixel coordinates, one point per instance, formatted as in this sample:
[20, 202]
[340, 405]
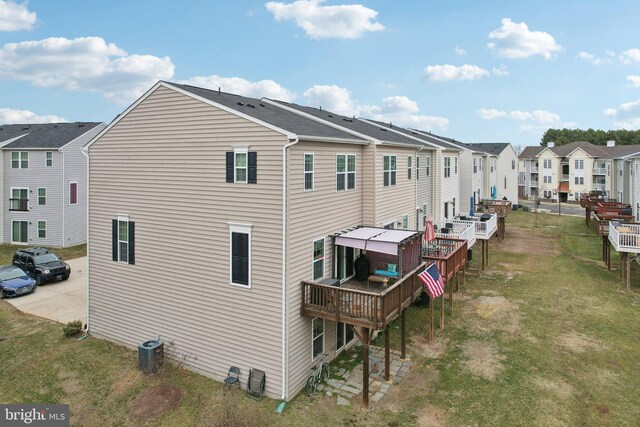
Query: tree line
[594, 136]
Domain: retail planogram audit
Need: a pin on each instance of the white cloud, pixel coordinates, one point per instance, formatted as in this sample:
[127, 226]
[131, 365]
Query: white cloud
[630, 56]
[532, 120]
[634, 80]
[15, 17]
[240, 86]
[625, 116]
[321, 22]
[447, 72]
[500, 71]
[9, 116]
[514, 40]
[330, 97]
[460, 51]
[590, 57]
[396, 109]
[84, 64]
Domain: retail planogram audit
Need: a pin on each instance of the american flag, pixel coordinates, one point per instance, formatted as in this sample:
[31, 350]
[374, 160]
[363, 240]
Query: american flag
[432, 280]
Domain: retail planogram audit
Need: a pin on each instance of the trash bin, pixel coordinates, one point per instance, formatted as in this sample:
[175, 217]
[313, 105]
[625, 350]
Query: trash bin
[150, 356]
[469, 255]
[515, 207]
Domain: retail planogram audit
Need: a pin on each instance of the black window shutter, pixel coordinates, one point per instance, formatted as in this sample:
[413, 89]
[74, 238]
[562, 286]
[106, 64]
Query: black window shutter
[114, 239]
[132, 242]
[229, 166]
[240, 258]
[253, 169]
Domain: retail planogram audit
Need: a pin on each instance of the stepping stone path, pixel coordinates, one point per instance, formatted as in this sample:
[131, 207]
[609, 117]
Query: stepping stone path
[351, 384]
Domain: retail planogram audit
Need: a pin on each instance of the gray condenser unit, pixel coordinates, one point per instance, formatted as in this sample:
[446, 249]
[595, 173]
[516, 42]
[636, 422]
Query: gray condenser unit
[150, 356]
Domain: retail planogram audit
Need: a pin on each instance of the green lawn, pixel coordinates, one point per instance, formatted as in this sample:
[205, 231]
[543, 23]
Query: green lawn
[7, 251]
[546, 336]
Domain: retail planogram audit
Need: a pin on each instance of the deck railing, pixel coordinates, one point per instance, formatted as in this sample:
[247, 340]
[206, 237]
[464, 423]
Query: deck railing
[625, 237]
[534, 169]
[599, 171]
[449, 254]
[484, 229]
[499, 207]
[462, 230]
[361, 308]
[19, 205]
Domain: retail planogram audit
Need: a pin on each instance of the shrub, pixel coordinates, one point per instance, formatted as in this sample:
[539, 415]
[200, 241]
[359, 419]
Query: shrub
[72, 328]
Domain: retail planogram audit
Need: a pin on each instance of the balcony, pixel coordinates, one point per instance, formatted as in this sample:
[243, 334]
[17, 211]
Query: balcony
[360, 303]
[565, 177]
[599, 186]
[599, 171]
[534, 169]
[625, 237]
[459, 230]
[19, 205]
[484, 229]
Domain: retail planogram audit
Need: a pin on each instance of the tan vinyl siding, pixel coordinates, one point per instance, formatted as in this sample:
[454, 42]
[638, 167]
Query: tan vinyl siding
[164, 165]
[313, 215]
[395, 201]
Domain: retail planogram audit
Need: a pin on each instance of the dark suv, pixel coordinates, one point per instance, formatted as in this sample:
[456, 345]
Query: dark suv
[41, 264]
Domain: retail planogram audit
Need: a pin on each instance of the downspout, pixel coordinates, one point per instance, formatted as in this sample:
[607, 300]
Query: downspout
[85, 152]
[284, 255]
[63, 193]
[417, 175]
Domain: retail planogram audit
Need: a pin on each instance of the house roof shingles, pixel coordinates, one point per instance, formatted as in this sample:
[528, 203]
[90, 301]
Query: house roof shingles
[493, 148]
[530, 152]
[598, 151]
[268, 113]
[47, 135]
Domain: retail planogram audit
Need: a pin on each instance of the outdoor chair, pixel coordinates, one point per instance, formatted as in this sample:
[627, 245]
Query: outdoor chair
[255, 384]
[233, 377]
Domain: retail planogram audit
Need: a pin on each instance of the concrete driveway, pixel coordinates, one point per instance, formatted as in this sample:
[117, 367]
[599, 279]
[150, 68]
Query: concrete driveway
[62, 301]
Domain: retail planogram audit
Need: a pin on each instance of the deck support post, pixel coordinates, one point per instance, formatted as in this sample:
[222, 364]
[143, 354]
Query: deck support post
[365, 367]
[487, 251]
[608, 255]
[629, 259]
[431, 319]
[387, 362]
[442, 311]
[403, 346]
[451, 296]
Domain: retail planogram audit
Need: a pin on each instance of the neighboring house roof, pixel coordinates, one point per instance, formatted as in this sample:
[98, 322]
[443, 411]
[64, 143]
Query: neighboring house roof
[268, 113]
[443, 141]
[587, 147]
[411, 133]
[48, 135]
[493, 148]
[619, 151]
[531, 152]
[378, 132]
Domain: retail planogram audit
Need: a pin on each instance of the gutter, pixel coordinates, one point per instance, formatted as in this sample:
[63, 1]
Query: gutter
[284, 264]
[85, 152]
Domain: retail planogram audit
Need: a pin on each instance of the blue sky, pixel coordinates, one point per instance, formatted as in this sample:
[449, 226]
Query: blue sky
[475, 71]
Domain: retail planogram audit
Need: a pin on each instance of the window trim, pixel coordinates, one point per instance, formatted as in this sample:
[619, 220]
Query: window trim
[405, 216]
[455, 170]
[28, 199]
[313, 260]
[48, 157]
[427, 166]
[45, 228]
[124, 219]
[311, 172]
[13, 221]
[323, 335]
[447, 167]
[20, 154]
[417, 168]
[347, 172]
[237, 151]
[393, 172]
[242, 229]
[45, 196]
[77, 193]
[409, 167]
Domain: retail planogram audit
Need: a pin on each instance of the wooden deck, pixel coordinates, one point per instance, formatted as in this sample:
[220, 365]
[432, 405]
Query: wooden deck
[356, 303]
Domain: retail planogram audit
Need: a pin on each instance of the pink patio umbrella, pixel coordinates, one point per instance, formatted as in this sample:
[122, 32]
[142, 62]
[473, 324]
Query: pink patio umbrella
[429, 233]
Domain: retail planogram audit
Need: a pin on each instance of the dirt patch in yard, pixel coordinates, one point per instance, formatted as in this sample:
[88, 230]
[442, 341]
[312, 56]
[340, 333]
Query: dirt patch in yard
[579, 343]
[558, 388]
[482, 359]
[522, 241]
[431, 416]
[489, 313]
[155, 401]
[420, 345]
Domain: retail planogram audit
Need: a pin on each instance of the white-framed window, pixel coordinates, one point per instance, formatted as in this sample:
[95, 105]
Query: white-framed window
[475, 166]
[389, 171]
[447, 167]
[308, 171]
[42, 196]
[19, 199]
[427, 162]
[317, 337]
[240, 255]
[73, 192]
[579, 180]
[318, 259]
[19, 159]
[345, 172]
[579, 164]
[405, 222]
[455, 170]
[417, 168]
[409, 167]
[42, 229]
[240, 165]
[48, 156]
[19, 232]
[513, 164]
[505, 182]
[123, 239]
[344, 335]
